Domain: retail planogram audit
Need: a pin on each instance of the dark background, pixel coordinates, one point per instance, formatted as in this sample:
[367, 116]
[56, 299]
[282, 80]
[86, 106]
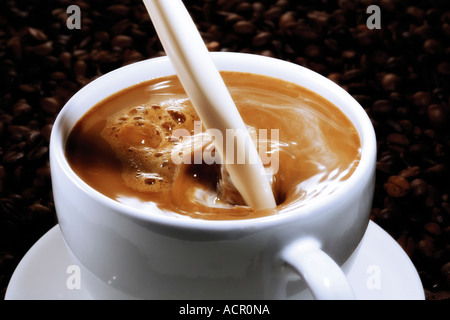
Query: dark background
[400, 75]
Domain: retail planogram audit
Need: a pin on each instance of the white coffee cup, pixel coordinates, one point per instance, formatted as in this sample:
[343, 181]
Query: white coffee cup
[128, 253]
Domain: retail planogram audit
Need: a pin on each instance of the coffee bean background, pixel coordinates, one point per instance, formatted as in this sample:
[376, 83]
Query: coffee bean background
[400, 74]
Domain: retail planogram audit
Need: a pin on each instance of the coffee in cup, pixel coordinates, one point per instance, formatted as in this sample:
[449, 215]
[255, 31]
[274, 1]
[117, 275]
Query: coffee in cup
[144, 146]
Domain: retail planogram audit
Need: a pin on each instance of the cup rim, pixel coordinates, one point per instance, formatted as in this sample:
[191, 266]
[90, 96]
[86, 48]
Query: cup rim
[271, 66]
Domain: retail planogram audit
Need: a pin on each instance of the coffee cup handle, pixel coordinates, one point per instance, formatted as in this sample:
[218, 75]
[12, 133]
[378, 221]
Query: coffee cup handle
[323, 276]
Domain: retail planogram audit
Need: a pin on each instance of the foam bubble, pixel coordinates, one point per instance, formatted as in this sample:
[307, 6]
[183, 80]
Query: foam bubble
[141, 135]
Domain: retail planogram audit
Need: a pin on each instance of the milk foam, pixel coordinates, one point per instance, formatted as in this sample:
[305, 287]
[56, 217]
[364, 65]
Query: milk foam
[141, 135]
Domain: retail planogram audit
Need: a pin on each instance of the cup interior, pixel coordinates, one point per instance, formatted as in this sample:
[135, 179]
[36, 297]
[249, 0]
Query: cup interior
[133, 74]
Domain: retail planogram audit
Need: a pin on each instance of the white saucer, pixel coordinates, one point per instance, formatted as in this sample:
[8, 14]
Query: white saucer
[378, 270]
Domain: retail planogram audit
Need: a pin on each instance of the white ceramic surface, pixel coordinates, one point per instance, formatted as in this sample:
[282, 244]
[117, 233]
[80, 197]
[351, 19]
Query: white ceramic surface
[133, 250]
[42, 273]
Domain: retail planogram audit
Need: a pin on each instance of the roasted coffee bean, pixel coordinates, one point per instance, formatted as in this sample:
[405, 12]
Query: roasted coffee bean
[319, 17]
[119, 9]
[304, 33]
[445, 271]
[38, 153]
[382, 106]
[410, 172]
[244, 8]
[437, 115]
[212, 46]
[14, 45]
[51, 105]
[426, 247]
[80, 68]
[39, 215]
[391, 82]
[13, 157]
[66, 59]
[397, 139]
[243, 27]
[432, 46]
[262, 39]
[102, 36]
[37, 34]
[397, 186]
[313, 51]
[419, 187]
[42, 49]
[352, 75]
[436, 172]
[33, 137]
[274, 13]
[407, 243]
[58, 75]
[122, 41]
[443, 68]
[22, 109]
[432, 229]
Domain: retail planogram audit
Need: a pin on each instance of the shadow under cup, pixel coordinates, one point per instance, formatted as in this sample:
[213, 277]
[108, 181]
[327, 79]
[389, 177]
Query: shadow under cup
[127, 253]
